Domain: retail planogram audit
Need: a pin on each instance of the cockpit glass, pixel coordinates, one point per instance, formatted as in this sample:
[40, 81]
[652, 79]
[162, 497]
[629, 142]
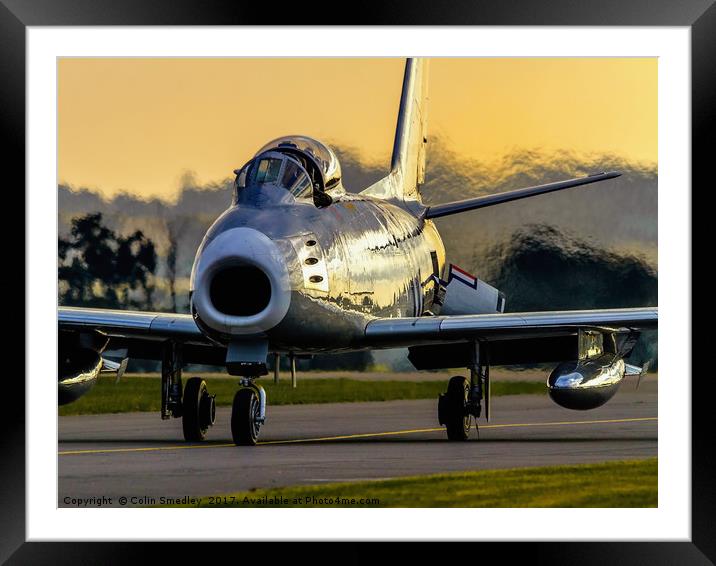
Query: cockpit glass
[282, 171]
[241, 178]
[294, 178]
[324, 157]
[268, 170]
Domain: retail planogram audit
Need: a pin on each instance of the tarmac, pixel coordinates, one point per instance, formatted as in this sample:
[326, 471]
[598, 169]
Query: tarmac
[142, 458]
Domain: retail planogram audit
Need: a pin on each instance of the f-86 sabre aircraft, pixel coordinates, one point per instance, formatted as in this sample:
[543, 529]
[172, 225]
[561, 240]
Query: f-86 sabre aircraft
[298, 266]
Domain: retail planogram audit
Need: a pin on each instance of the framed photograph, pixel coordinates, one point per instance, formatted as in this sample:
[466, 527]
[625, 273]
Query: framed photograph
[259, 253]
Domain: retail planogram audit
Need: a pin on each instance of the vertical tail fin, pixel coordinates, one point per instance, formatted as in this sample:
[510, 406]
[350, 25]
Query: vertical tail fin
[408, 162]
[407, 167]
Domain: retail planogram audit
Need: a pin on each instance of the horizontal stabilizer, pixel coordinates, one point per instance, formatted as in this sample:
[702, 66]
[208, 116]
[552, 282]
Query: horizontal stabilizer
[446, 209]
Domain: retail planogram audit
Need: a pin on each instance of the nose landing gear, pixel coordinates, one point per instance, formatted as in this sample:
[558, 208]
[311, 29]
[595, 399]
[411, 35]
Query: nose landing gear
[248, 413]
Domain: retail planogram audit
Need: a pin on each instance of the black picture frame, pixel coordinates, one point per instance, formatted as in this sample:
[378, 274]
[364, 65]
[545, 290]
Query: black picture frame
[699, 15]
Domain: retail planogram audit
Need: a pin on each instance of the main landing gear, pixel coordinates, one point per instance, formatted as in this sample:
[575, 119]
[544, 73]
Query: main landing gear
[463, 399]
[197, 409]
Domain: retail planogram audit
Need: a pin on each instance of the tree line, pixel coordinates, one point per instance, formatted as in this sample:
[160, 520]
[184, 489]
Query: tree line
[100, 268]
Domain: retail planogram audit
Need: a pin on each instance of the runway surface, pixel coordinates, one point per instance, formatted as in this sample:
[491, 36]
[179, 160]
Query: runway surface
[139, 455]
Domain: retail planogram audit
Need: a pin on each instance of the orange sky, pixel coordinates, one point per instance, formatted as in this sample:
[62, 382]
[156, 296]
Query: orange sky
[138, 125]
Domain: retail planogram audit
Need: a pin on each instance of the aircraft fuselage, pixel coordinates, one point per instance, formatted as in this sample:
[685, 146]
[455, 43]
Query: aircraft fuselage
[357, 259]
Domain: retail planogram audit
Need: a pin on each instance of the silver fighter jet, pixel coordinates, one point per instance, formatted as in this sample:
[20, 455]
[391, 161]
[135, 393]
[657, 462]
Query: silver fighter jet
[298, 266]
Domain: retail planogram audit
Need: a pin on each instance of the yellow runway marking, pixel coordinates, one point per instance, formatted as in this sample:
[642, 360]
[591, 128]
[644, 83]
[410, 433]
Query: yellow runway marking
[145, 449]
[346, 436]
[439, 429]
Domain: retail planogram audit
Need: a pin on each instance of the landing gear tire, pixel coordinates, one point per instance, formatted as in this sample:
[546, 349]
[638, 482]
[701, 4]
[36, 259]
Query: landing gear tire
[453, 409]
[198, 410]
[245, 412]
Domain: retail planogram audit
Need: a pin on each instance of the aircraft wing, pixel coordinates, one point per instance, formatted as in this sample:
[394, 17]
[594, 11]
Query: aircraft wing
[514, 338]
[126, 324]
[143, 333]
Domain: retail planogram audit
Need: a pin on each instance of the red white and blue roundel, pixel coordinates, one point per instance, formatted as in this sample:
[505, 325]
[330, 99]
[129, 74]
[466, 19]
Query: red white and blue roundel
[461, 275]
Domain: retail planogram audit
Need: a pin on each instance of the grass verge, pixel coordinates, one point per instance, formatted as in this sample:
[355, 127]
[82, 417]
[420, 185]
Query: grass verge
[630, 483]
[138, 393]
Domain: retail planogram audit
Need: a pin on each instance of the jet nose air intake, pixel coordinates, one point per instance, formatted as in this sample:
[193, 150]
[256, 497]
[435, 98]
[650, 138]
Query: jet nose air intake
[242, 283]
[240, 290]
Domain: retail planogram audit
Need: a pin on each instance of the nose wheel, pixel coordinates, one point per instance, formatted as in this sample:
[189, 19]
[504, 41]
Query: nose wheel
[248, 414]
[198, 410]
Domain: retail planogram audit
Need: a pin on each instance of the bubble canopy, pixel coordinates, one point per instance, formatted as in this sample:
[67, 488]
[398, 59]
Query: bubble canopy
[274, 168]
[324, 156]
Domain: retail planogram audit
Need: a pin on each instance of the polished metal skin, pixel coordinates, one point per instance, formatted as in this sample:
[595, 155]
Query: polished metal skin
[507, 326]
[586, 384]
[241, 246]
[83, 376]
[125, 323]
[298, 265]
[334, 268]
[79, 365]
